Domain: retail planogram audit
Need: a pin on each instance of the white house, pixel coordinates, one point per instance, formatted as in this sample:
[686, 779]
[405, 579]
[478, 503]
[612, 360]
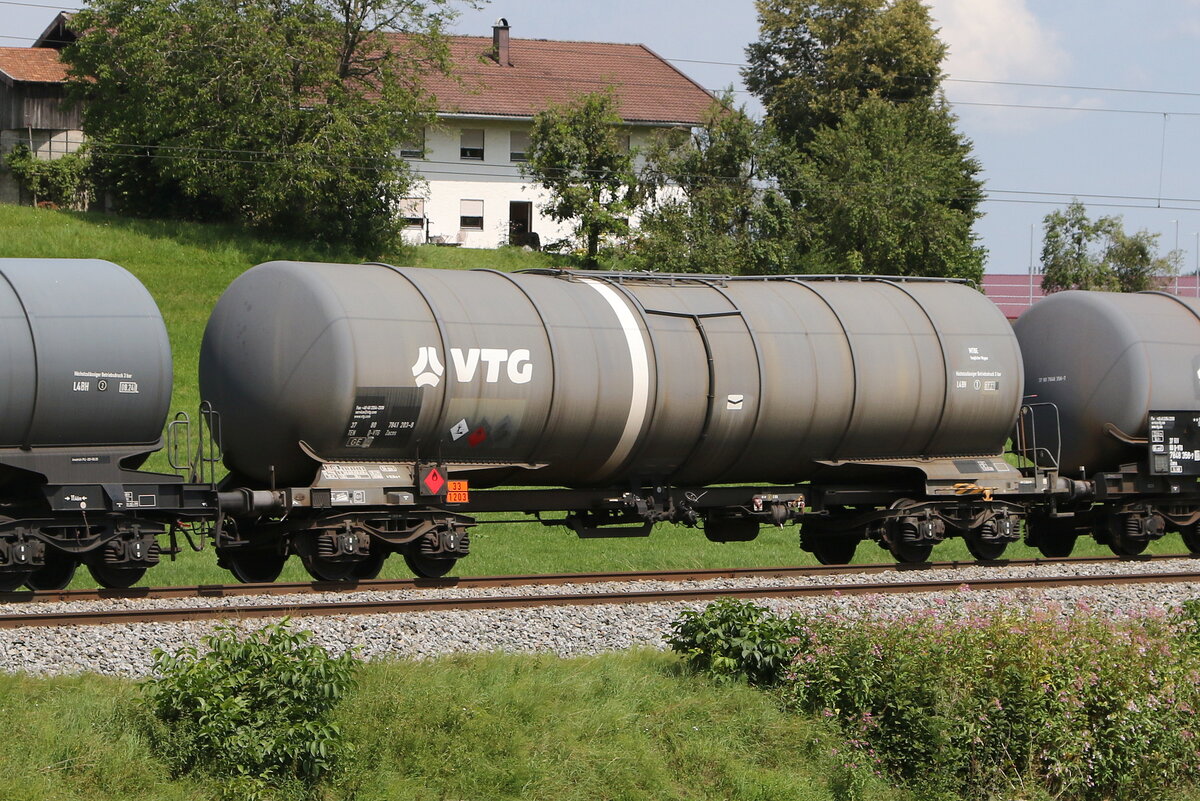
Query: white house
[473, 192]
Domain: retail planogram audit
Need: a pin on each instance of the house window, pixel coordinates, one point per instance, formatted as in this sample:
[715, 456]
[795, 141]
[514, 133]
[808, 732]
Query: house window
[415, 147]
[518, 145]
[470, 215]
[412, 212]
[470, 144]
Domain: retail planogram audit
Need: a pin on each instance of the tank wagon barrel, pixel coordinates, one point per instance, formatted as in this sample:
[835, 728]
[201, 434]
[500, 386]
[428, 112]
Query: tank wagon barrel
[591, 380]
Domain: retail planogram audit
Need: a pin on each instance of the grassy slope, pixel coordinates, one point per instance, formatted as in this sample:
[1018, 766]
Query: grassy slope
[621, 726]
[187, 266]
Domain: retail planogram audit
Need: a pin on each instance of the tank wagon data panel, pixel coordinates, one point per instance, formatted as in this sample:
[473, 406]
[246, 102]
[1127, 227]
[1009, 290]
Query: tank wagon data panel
[1175, 443]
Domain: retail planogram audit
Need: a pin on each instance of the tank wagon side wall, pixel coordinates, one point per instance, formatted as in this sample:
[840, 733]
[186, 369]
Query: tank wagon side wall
[602, 379]
[1110, 358]
[86, 356]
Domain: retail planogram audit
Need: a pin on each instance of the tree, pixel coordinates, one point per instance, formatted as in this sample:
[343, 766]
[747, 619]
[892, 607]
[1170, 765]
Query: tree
[714, 210]
[816, 60]
[580, 156]
[1081, 253]
[890, 191]
[284, 114]
[879, 176]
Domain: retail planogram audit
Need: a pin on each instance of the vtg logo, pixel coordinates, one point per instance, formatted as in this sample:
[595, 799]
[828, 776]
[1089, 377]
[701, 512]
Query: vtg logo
[428, 370]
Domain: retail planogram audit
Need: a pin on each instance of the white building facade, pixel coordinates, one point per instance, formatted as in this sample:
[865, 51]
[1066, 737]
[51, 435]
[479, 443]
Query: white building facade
[472, 191]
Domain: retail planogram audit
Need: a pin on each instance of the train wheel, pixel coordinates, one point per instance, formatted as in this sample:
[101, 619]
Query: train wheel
[911, 553]
[1058, 546]
[253, 567]
[327, 569]
[55, 574]
[1191, 537]
[369, 568]
[1130, 535]
[1053, 537]
[982, 546]
[116, 578]
[13, 581]
[428, 567]
[834, 550]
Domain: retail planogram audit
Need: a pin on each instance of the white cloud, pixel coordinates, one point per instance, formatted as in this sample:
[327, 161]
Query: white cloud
[997, 40]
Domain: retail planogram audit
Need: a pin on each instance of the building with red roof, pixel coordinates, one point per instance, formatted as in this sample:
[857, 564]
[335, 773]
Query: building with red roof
[474, 193]
[33, 109]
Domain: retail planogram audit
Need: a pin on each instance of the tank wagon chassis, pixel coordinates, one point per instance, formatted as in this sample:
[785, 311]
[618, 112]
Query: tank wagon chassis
[63, 507]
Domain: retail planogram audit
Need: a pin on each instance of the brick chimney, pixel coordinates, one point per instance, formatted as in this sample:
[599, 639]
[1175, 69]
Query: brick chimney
[500, 42]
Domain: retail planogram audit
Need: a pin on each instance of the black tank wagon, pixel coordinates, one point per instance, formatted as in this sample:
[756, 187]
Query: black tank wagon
[351, 396]
[85, 385]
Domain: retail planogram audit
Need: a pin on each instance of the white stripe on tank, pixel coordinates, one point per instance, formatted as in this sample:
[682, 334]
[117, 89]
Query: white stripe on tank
[640, 398]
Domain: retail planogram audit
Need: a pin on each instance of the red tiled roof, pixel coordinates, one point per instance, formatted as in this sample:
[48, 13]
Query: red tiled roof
[31, 64]
[545, 72]
[542, 72]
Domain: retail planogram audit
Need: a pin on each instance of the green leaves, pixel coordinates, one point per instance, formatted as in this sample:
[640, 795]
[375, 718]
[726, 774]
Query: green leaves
[869, 158]
[579, 153]
[255, 711]
[734, 640]
[285, 115]
[63, 181]
[1081, 253]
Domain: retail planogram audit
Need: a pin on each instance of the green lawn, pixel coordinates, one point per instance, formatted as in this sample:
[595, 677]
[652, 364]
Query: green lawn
[620, 726]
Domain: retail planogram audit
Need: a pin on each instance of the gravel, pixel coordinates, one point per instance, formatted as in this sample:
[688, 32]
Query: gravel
[127, 650]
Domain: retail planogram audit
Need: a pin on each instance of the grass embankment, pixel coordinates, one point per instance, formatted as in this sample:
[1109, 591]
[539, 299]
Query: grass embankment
[629, 726]
[186, 266]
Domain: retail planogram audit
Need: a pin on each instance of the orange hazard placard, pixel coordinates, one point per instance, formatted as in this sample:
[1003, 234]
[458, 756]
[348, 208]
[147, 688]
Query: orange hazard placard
[457, 492]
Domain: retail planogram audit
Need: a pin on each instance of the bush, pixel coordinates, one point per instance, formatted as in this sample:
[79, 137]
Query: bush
[980, 706]
[254, 711]
[63, 181]
[735, 640]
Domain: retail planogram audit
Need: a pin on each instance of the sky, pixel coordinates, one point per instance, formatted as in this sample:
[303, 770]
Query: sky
[1094, 99]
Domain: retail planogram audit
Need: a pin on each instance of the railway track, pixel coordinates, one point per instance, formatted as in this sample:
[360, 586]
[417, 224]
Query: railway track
[480, 582]
[452, 603]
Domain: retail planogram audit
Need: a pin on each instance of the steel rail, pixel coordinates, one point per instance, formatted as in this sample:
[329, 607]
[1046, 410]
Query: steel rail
[443, 604]
[480, 582]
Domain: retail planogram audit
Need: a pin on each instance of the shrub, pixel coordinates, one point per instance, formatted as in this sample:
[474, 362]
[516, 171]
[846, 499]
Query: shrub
[63, 181]
[734, 640]
[253, 711]
[1082, 707]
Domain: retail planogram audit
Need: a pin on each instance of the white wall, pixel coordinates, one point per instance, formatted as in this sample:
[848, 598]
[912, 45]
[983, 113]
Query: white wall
[496, 181]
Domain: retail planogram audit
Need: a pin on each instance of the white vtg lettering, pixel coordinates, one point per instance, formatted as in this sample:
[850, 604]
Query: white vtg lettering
[518, 366]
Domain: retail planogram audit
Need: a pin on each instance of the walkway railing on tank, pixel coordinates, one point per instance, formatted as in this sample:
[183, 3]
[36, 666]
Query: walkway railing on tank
[1039, 444]
[198, 465]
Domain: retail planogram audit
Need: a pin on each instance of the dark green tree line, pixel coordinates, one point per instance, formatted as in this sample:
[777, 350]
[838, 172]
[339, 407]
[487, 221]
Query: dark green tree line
[283, 114]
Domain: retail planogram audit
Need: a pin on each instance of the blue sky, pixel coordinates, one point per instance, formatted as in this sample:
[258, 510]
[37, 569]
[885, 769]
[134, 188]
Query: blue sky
[1134, 153]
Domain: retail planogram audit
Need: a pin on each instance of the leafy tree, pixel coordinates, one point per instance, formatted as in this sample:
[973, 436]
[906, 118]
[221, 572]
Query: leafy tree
[816, 60]
[881, 180]
[890, 191]
[284, 114]
[1081, 253]
[714, 210]
[579, 154]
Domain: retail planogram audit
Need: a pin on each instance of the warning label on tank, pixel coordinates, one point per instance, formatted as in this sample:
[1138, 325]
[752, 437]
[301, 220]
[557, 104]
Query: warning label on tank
[1174, 443]
[383, 417]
